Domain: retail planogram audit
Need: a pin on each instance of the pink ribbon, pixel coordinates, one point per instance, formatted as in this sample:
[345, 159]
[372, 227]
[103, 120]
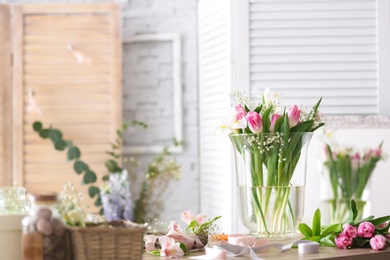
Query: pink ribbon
[242, 247]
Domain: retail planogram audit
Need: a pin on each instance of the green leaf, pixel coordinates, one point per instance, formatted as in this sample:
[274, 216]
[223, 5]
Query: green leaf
[80, 166]
[258, 109]
[246, 109]
[60, 145]
[317, 223]
[305, 230]
[93, 191]
[37, 126]
[156, 252]
[331, 229]
[89, 177]
[381, 220]
[55, 135]
[105, 178]
[183, 247]
[44, 133]
[112, 166]
[328, 240]
[98, 202]
[353, 212]
[362, 242]
[73, 153]
[314, 239]
[315, 107]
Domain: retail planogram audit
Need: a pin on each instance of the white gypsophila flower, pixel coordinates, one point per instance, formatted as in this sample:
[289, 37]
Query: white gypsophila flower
[240, 98]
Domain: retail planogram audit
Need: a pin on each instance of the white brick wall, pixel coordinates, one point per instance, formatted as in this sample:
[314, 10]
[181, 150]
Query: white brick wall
[147, 85]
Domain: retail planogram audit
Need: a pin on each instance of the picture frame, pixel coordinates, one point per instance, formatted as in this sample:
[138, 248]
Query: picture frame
[177, 92]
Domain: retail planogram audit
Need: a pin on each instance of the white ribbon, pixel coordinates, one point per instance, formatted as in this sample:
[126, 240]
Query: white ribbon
[236, 250]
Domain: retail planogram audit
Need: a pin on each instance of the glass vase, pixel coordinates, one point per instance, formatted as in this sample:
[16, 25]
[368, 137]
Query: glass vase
[271, 178]
[337, 210]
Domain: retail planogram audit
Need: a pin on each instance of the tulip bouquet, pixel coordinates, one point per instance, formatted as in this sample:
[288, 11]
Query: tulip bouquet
[349, 172]
[353, 232]
[268, 141]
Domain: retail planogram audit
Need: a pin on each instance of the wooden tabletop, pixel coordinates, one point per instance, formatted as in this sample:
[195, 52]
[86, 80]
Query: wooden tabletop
[325, 253]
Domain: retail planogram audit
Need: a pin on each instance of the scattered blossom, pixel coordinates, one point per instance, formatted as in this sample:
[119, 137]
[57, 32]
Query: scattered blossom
[176, 242]
[170, 248]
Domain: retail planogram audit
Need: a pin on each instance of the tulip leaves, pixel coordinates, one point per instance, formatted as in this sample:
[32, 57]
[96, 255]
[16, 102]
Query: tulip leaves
[324, 236]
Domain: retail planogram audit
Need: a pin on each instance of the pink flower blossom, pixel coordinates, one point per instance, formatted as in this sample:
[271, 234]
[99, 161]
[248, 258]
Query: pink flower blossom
[187, 216]
[377, 152]
[355, 161]
[170, 248]
[178, 235]
[366, 229]
[368, 155]
[201, 218]
[350, 230]
[254, 122]
[382, 225]
[274, 118]
[343, 241]
[378, 242]
[240, 112]
[293, 115]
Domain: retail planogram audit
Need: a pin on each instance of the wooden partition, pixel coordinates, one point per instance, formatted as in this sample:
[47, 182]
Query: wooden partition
[67, 57]
[5, 97]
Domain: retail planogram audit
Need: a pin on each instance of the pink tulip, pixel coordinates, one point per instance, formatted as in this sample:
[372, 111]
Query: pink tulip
[254, 122]
[350, 230]
[355, 161]
[343, 241]
[368, 155]
[169, 248]
[366, 229]
[377, 152]
[378, 242]
[274, 118]
[293, 115]
[240, 112]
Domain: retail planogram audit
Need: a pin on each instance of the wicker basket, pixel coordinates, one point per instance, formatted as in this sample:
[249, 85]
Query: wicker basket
[112, 241]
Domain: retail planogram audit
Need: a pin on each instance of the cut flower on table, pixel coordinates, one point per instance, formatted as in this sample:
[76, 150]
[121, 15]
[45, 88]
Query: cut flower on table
[370, 232]
[176, 242]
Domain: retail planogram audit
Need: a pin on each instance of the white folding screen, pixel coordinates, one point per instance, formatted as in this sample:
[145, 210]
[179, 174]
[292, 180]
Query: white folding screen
[214, 84]
[312, 48]
[305, 49]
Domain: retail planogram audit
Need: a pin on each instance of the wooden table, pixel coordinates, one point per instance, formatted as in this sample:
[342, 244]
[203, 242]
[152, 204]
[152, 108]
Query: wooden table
[325, 253]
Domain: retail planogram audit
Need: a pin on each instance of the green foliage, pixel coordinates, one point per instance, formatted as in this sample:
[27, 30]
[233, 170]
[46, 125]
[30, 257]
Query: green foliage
[326, 235]
[93, 191]
[160, 172]
[323, 235]
[72, 153]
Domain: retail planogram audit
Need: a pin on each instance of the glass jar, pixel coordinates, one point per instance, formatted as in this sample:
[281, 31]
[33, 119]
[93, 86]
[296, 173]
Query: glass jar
[44, 232]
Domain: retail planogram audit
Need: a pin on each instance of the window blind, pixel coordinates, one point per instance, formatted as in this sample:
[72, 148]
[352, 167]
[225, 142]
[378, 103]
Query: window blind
[308, 49]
